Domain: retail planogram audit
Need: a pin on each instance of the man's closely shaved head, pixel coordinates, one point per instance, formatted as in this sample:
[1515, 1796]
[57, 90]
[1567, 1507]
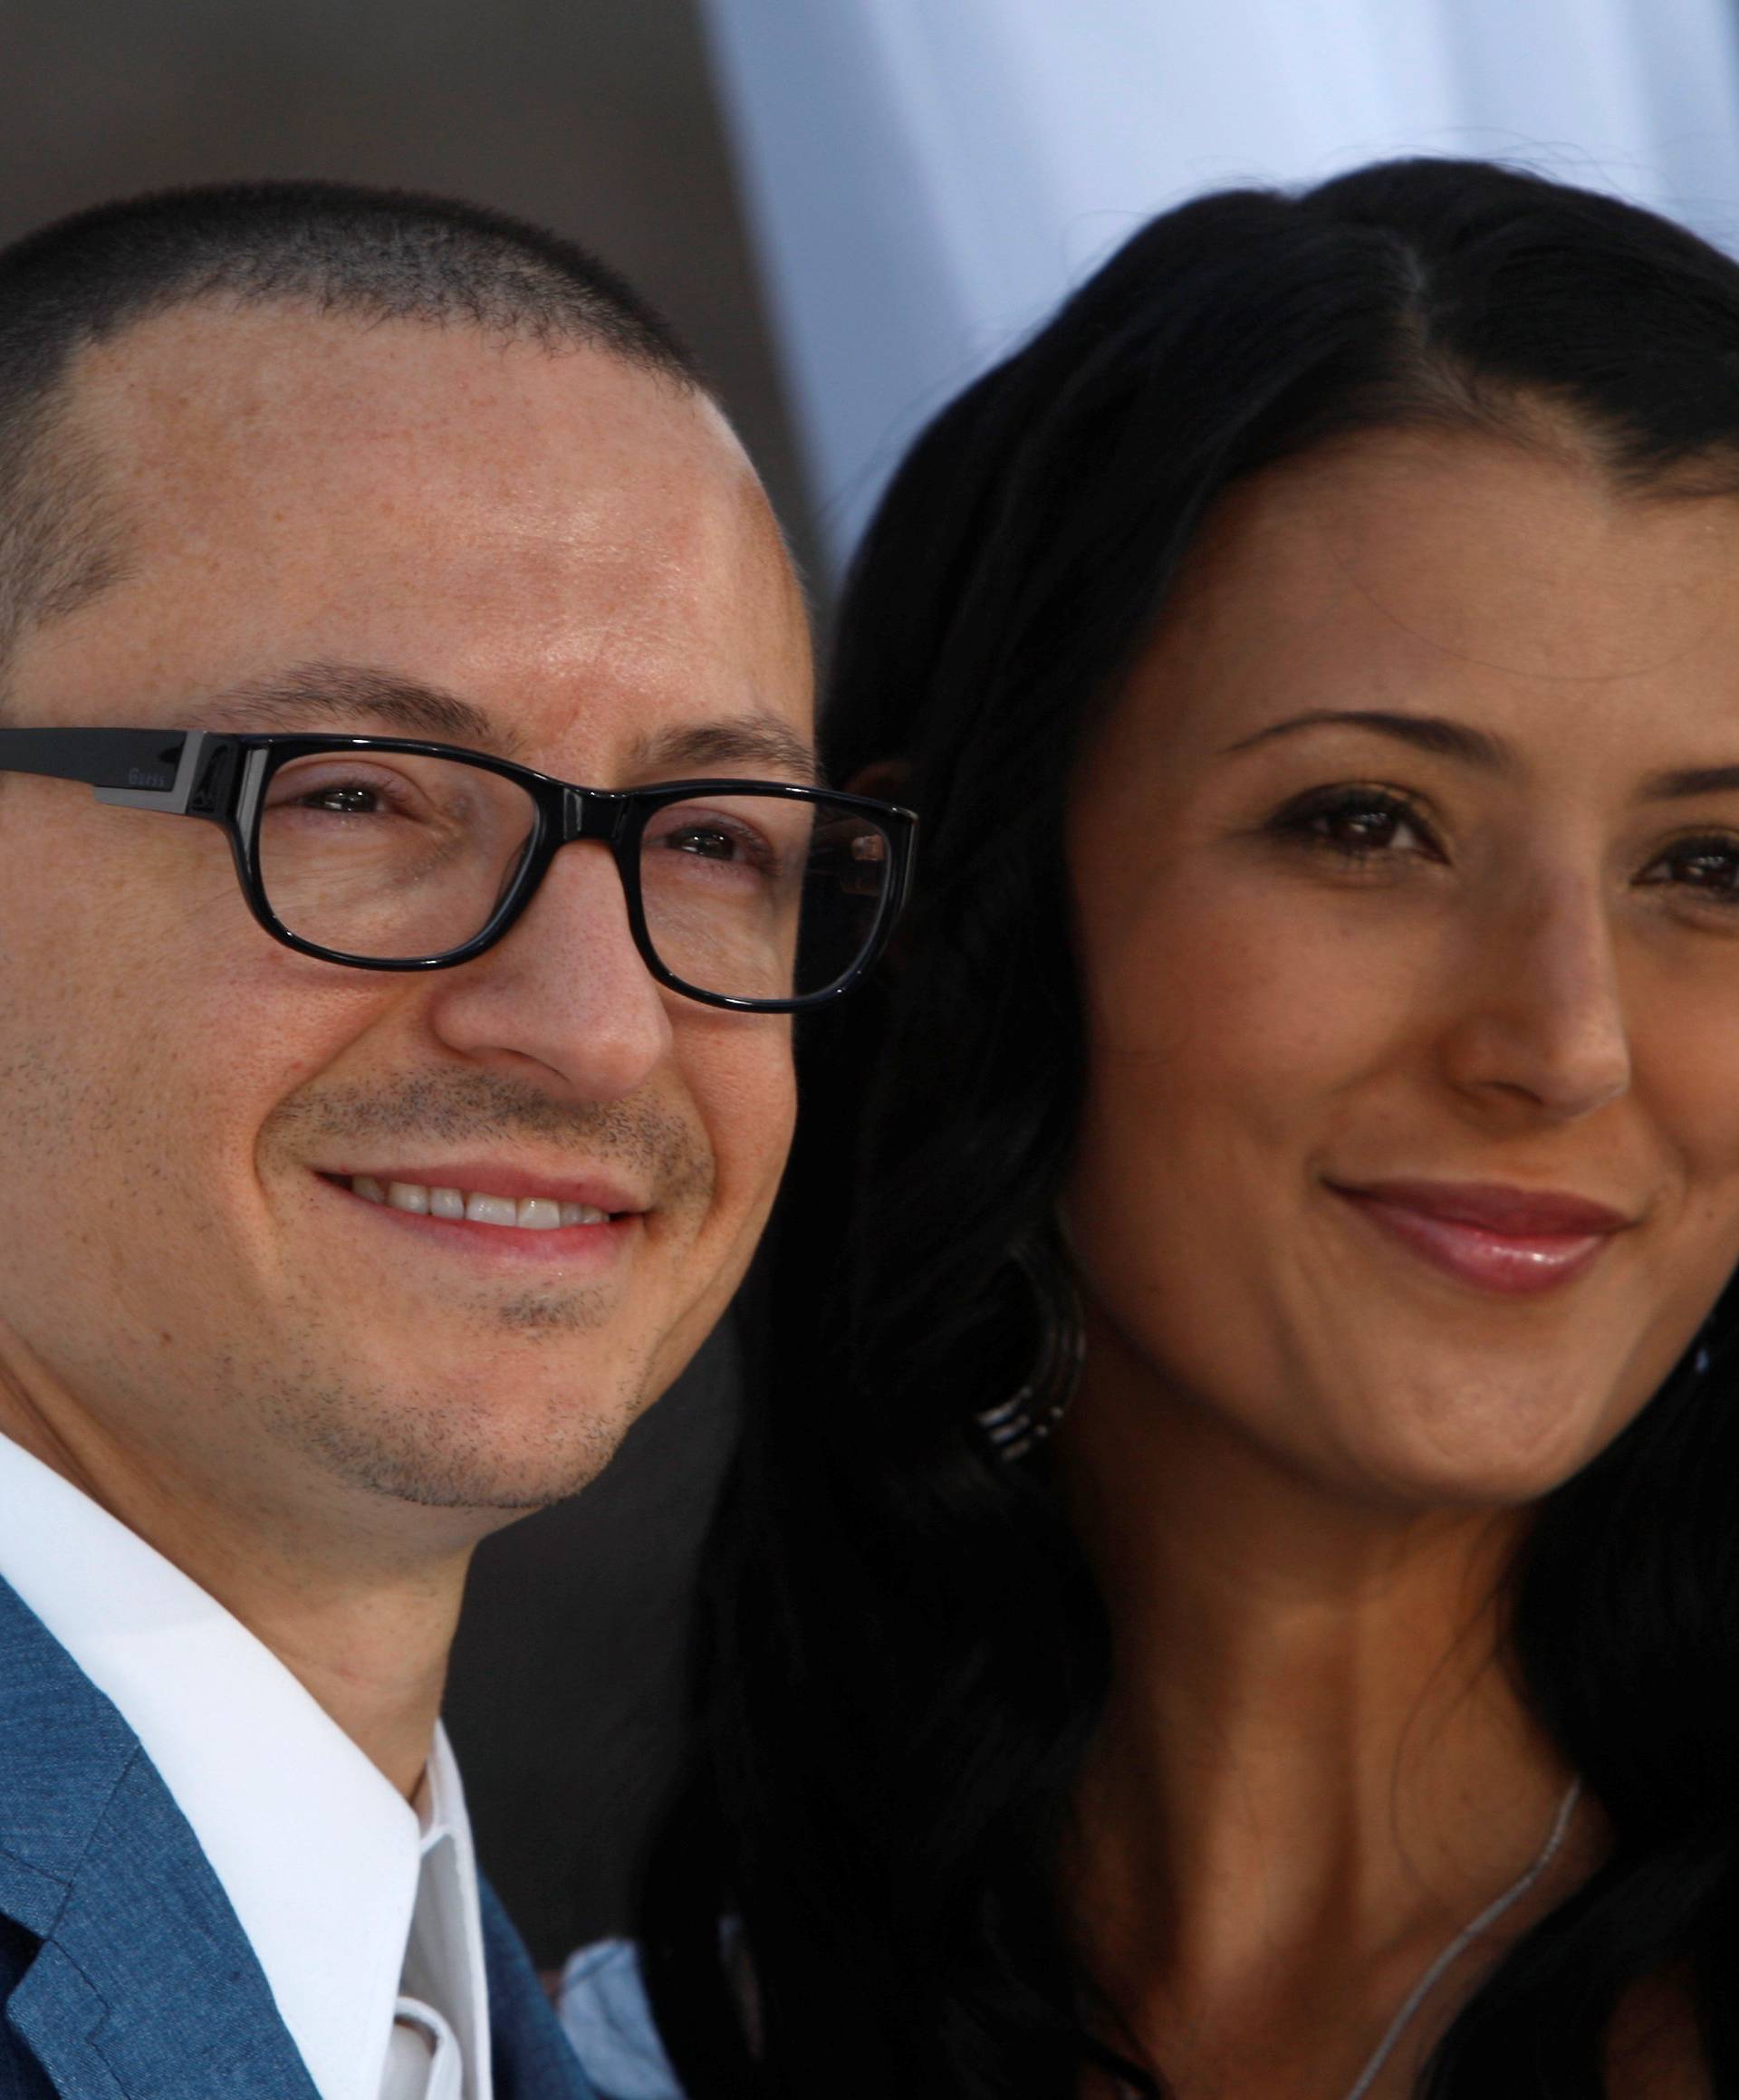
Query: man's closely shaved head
[377, 255]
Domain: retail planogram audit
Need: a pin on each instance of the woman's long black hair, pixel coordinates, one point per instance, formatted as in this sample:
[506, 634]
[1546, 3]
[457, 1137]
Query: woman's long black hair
[900, 1654]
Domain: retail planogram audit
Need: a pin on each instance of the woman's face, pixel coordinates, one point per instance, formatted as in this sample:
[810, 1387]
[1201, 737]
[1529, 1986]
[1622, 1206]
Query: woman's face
[1406, 884]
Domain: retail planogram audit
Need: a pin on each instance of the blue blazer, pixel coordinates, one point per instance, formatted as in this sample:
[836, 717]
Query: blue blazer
[124, 1973]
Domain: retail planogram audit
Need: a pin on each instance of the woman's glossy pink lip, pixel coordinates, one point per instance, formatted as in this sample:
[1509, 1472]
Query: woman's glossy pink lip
[1496, 1206]
[1518, 1242]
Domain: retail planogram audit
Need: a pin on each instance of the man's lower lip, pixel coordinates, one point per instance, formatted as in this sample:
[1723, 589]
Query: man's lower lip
[568, 1245]
[1517, 1264]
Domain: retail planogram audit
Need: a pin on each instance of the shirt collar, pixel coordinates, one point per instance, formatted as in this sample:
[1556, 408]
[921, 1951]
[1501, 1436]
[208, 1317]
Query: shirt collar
[318, 1852]
[444, 1965]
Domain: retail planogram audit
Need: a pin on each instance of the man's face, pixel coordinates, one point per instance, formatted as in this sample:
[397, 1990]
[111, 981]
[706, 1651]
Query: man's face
[192, 1297]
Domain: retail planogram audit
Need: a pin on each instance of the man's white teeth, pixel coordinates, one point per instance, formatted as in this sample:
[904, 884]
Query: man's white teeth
[529, 1213]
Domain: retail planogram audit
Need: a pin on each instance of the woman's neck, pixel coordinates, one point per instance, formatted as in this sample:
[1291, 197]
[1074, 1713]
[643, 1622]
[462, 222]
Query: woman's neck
[1315, 1766]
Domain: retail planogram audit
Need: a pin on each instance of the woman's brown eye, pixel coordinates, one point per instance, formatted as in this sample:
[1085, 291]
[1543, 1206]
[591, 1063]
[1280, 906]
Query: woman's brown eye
[1355, 825]
[1709, 865]
[1359, 830]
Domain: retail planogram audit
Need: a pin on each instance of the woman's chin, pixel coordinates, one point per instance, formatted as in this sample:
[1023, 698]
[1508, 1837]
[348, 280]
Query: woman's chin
[1470, 1448]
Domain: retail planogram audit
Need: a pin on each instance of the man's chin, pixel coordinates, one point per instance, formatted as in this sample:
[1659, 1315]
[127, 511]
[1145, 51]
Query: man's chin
[480, 1498]
[497, 1483]
[551, 1315]
[517, 1447]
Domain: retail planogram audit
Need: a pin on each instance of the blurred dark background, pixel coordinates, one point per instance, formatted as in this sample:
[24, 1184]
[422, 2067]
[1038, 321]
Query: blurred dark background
[597, 117]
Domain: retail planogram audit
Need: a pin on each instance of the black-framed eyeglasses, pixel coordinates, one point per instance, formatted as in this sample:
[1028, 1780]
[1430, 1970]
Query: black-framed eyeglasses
[385, 853]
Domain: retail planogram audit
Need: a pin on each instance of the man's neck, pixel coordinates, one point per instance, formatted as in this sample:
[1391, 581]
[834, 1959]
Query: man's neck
[363, 1620]
[372, 1651]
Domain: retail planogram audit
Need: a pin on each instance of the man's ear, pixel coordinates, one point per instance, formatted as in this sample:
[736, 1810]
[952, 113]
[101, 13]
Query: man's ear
[890, 780]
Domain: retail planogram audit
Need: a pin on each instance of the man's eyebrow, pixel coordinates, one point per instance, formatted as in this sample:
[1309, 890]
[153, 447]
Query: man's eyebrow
[315, 696]
[1432, 733]
[759, 741]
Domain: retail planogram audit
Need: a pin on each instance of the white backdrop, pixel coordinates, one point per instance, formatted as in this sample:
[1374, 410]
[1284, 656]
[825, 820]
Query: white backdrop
[926, 177]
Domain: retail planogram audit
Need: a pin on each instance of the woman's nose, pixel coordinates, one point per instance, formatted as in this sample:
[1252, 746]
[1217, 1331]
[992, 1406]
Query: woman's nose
[1538, 1020]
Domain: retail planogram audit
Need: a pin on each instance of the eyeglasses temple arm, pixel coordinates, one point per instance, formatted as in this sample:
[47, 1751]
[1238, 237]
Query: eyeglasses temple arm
[157, 775]
[174, 770]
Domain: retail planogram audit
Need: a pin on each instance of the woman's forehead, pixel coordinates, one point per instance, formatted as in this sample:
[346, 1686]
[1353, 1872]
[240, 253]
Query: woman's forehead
[1419, 565]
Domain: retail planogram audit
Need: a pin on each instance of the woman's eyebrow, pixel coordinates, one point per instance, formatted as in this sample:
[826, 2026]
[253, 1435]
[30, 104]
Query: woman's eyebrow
[1433, 732]
[1445, 739]
[1697, 780]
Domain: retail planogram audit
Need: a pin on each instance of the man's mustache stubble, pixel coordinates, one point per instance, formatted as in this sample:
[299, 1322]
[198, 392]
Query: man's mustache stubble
[668, 1157]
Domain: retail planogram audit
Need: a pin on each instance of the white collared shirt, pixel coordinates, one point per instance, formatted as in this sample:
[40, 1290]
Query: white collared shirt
[361, 1909]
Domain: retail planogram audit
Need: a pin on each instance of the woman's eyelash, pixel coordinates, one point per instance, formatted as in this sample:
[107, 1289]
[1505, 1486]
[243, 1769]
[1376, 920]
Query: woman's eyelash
[1356, 824]
[1708, 863]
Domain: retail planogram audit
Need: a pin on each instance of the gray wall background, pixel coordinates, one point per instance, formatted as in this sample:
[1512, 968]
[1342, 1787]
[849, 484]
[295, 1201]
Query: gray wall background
[597, 117]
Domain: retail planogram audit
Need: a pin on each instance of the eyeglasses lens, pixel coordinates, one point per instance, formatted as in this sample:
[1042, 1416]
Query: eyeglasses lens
[395, 857]
[761, 897]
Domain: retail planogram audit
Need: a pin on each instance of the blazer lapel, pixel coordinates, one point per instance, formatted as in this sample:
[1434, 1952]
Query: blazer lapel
[531, 2058]
[144, 1987]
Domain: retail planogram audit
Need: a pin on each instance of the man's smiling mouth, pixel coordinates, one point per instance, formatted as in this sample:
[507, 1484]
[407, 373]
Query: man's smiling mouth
[474, 1206]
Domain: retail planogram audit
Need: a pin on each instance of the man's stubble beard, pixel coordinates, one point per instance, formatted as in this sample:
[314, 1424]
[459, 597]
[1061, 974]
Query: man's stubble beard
[453, 1458]
[374, 1436]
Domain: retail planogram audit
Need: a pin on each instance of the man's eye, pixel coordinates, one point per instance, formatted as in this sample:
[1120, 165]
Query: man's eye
[1709, 865]
[342, 801]
[708, 845]
[1356, 824]
[724, 843]
[340, 795]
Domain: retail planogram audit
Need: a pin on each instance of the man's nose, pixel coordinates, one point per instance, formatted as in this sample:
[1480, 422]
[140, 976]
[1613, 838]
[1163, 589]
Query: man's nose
[1538, 1016]
[566, 989]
